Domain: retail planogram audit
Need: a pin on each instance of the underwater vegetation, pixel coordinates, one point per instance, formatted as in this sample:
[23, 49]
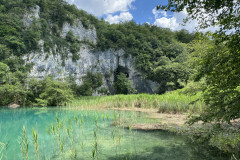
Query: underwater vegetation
[56, 133]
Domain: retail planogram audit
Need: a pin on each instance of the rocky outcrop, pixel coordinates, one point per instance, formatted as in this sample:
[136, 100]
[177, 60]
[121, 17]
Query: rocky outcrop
[104, 62]
[45, 64]
[32, 14]
[13, 105]
[80, 32]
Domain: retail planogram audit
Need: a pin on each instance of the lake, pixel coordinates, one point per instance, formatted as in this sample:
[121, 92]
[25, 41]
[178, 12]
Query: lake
[91, 134]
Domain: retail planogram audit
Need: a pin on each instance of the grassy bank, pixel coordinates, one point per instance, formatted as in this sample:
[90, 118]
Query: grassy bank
[171, 102]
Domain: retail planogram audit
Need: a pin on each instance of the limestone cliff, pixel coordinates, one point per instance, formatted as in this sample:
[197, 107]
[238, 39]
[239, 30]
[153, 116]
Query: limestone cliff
[90, 60]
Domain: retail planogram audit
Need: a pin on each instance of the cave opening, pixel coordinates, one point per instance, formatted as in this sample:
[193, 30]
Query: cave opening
[121, 69]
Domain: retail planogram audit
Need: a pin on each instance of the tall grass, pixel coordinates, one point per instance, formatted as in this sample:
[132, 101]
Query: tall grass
[24, 144]
[171, 102]
[35, 143]
[72, 142]
[3, 147]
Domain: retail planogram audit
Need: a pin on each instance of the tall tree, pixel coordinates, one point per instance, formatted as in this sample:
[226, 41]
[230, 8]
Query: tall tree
[221, 62]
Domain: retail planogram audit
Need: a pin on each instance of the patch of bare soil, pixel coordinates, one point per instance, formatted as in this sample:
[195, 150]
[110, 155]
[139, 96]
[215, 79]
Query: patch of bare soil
[167, 120]
[170, 119]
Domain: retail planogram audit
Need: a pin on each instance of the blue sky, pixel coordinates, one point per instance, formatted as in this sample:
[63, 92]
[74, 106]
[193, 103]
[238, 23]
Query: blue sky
[141, 11]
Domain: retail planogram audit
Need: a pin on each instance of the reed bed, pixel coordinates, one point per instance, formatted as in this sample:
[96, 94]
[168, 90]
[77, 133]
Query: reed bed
[82, 136]
[171, 102]
[3, 147]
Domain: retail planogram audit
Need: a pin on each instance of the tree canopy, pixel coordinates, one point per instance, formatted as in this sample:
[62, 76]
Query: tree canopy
[217, 56]
[225, 13]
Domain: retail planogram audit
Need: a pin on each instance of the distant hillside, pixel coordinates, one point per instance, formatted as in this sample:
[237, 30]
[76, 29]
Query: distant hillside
[53, 38]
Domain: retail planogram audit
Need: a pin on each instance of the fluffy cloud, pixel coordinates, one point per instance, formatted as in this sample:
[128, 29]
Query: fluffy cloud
[124, 16]
[159, 13]
[167, 23]
[175, 22]
[103, 7]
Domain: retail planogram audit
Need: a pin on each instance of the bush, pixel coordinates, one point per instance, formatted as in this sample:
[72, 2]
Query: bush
[90, 84]
[54, 93]
[85, 89]
[123, 85]
[12, 94]
[95, 79]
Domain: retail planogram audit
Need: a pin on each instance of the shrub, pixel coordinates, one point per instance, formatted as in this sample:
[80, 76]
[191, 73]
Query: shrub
[123, 85]
[90, 84]
[54, 93]
[85, 89]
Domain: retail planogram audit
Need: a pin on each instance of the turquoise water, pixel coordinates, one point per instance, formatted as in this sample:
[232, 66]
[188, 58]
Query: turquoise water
[76, 134]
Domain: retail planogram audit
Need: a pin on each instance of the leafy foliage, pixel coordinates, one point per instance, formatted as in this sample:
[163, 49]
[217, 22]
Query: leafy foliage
[91, 82]
[15, 87]
[54, 93]
[94, 79]
[21, 39]
[3, 73]
[11, 88]
[215, 63]
[123, 85]
[12, 94]
[218, 59]
[227, 18]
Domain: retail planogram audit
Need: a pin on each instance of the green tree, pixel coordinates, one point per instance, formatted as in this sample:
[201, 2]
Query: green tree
[211, 12]
[123, 85]
[54, 93]
[170, 75]
[12, 93]
[214, 63]
[11, 88]
[4, 52]
[91, 82]
[85, 89]
[184, 36]
[3, 73]
[219, 63]
[94, 79]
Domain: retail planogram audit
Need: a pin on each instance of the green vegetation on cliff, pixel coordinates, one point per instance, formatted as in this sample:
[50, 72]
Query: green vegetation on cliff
[159, 53]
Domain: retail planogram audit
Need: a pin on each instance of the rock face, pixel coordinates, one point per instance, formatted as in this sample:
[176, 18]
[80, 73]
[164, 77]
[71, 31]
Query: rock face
[80, 32]
[106, 63]
[31, 15]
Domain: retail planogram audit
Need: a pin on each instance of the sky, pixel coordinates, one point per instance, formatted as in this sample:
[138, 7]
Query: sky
[141, 11]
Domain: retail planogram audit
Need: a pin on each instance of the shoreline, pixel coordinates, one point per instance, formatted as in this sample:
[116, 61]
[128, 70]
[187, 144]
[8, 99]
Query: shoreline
[226, 138]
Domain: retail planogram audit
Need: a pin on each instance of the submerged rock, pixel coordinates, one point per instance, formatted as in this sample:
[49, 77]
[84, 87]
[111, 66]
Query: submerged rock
[13, 105]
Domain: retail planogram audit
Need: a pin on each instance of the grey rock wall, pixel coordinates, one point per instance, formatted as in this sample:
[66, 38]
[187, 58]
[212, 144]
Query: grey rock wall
[45, 64]
[80, 32]
[31, 15]
[104, 62]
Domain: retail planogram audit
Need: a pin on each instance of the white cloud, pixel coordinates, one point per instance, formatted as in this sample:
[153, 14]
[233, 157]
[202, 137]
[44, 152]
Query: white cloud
[175, 22]
[124, 16]
[167, 23]
[159, 13]
[103, 7]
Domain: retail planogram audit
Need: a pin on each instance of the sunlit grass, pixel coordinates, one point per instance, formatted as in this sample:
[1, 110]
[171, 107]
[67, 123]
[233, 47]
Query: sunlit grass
[171, 102]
